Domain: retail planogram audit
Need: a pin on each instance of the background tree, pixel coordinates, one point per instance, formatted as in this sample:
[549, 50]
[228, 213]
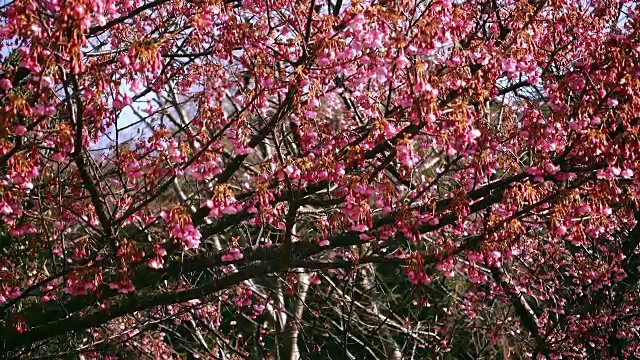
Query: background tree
[311, 179]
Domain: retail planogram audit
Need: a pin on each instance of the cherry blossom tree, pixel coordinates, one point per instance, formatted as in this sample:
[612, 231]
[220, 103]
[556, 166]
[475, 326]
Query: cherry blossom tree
[279, 179]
